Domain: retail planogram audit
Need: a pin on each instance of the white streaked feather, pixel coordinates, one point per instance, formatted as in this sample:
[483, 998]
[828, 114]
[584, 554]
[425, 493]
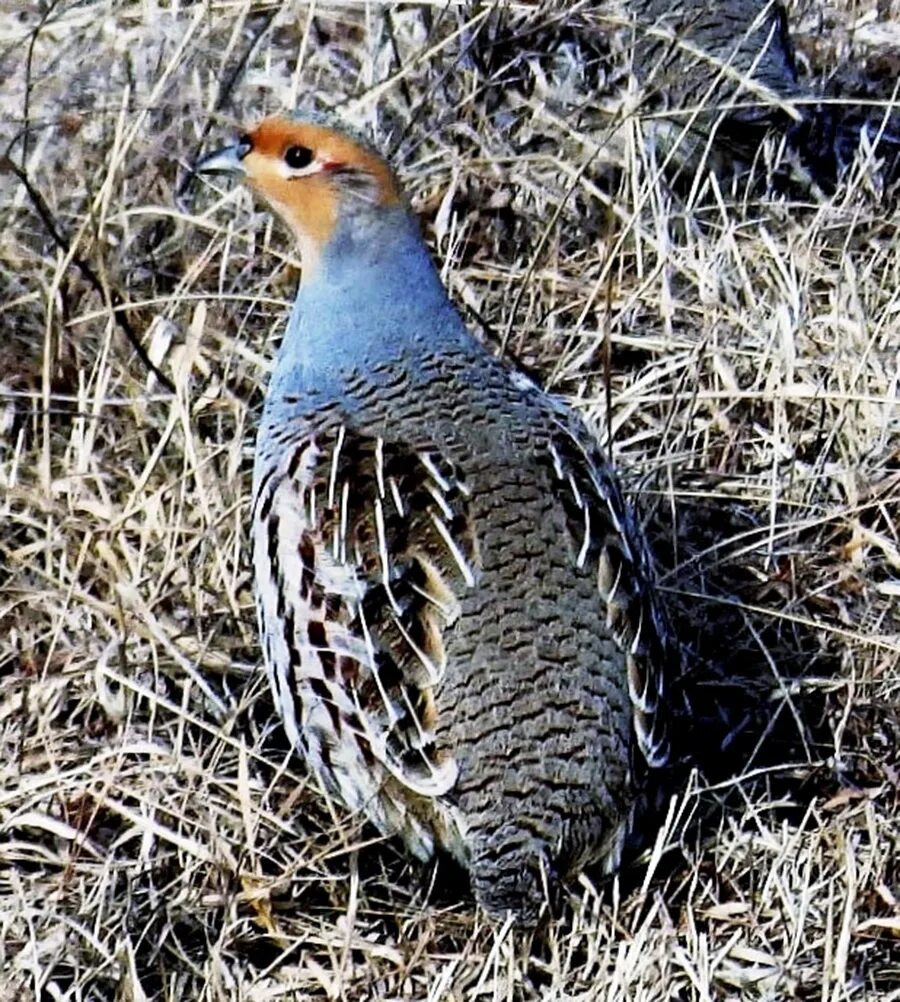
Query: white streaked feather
[454, 549]
[443, 777]
[342, 533]
[338, 577]
[612, 507]
[419, 839]
[386, 701]
[586, 545]
[423, 737]
[433, 472]
[307, 466]
[557, 462]
[398, 500]
[611, 595]
[523, 383]
[636, 639]
[383, 557]
[379, 465]
[435, 673]
[335, 457]
[308, 719]
[449, 613]
[441, 501]
[616, 520]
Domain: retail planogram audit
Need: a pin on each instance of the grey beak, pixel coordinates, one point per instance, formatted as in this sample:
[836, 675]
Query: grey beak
[226, 161]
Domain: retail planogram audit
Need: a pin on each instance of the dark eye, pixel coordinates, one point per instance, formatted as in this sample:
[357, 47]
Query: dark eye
[298, 157]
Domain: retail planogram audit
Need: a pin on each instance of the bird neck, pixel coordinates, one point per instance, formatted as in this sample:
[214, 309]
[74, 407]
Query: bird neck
[373, 299]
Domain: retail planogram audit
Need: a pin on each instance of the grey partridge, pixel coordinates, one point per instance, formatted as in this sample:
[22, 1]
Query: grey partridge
[713, 81]
[725, 74]
[455, 603]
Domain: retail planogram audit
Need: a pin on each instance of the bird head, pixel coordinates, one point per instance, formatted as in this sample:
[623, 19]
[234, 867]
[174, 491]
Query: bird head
[310, 175]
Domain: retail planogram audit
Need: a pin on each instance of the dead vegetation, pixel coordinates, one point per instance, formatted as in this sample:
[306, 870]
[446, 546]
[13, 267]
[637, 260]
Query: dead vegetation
[157, 841]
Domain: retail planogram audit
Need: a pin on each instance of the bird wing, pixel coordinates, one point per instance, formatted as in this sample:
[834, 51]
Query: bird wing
[362, 547]
[605, 539]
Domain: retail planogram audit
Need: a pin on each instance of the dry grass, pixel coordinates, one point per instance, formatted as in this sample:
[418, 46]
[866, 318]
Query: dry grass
[156, 839]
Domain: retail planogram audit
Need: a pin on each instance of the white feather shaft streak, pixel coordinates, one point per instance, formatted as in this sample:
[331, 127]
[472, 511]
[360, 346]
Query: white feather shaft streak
[455, 551]
[450, 613]
[441, 502]
[435, 674]
[586, 545]
[335, 458]
[423, 737]
[557, 463]
[636, 639]
[342, 537]
[398, 500]
[610, 598]
[443, 776]
[379, 465]
[370, 651]
[383, 557]
[433, 472]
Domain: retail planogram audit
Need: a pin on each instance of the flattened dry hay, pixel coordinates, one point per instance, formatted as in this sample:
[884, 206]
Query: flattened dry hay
[157, 839]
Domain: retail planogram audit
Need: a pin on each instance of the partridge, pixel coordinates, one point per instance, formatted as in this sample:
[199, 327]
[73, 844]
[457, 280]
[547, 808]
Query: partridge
[455, 603]
[727, 66]
[726, 75]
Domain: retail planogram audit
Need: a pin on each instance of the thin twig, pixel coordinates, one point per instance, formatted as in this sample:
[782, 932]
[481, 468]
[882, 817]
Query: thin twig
[110, 295]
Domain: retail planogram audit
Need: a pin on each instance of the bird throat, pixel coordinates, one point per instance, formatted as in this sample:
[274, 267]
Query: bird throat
[371, 296]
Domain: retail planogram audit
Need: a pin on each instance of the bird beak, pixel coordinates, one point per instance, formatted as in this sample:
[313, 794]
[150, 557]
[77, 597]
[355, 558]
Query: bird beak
[226, 161]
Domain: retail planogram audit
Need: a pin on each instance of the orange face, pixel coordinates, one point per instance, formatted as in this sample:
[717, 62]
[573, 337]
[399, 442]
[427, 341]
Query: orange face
[299, 169]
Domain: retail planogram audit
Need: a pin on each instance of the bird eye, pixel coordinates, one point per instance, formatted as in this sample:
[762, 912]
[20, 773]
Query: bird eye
[298, 157]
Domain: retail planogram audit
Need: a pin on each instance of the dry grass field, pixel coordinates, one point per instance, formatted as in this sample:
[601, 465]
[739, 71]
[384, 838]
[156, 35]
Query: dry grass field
[738, 349]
